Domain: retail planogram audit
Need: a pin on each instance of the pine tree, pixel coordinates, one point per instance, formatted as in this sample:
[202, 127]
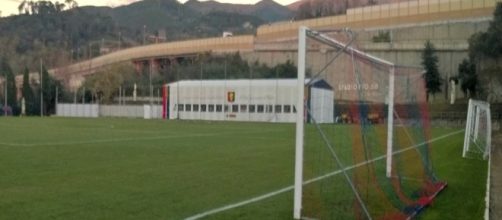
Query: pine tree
[468, 78]
[46, 90]
[494, 32]
[432, 77]
[28, 95]
[6, 71]
[49, 85]
[489, 43]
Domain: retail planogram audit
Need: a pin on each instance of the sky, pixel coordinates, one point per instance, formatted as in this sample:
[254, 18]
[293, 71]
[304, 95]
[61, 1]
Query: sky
[8, 7]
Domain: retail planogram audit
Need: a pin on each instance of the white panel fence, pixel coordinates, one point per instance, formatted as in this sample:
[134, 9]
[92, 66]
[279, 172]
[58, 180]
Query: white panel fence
[96, 110]
[78, 110]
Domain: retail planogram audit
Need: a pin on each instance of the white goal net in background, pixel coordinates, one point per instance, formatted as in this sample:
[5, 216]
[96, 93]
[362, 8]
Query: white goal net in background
[477, 142]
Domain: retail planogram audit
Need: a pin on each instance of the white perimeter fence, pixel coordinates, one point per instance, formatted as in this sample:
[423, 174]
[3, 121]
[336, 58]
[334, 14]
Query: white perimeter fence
[96, 110]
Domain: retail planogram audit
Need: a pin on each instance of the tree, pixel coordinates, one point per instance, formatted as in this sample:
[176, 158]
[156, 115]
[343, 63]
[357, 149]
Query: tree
[321, 8]
[105, 83]
[494, 32]
[286, 70]
[488, 43]
[468, 78]
[25, 6]
[44, 89]
[45, 7]
[485, 52]
[305, 11]
[49, 85]
[6, 71]
[29, 97]
[432, 77]
[71, 4]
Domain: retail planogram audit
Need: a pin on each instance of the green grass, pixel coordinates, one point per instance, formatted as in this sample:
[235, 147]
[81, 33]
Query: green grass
[56, 168]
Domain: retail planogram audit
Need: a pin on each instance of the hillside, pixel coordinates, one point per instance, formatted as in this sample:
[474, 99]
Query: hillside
[267, 10]
[65, 36]
[180, 21]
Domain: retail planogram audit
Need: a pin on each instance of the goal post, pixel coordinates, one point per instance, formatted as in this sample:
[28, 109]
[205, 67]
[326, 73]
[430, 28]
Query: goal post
[305, 34]
[477, 139]
[302, 50]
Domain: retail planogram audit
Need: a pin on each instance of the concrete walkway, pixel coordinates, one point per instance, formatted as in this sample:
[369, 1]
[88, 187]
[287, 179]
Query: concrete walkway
[496, 179]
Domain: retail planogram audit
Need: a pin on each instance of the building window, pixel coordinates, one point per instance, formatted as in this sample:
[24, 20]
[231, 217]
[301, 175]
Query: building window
[188, 107]
[203, 108]
[226, 108]
[278, 108]
[244, 108]
[180, 107]
[294, 109]
[195, 108]
[235, 108]
[269, 108]
[252, 108]
[211, 108]
[261, 108]
[287, 108]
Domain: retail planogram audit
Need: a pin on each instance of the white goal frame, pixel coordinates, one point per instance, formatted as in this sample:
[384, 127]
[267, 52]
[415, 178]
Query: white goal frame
[472, 126]
[305, 32]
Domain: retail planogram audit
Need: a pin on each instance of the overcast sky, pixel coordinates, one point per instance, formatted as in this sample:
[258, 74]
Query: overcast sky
[8, 7]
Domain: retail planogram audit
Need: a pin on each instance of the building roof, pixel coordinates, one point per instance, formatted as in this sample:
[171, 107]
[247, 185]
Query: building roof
[319, 83]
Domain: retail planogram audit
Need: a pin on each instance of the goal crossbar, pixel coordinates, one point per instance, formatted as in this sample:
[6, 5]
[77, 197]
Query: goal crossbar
[323, 38]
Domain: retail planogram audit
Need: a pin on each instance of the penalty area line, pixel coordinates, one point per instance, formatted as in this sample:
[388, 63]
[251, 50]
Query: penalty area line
[334, 173]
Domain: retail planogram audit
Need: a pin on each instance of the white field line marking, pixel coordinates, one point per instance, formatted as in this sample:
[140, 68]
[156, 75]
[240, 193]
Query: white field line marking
[289, 188]
[488, 186]
[127, 139]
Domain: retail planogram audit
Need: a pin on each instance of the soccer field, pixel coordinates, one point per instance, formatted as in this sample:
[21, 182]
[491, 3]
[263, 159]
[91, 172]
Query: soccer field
[57, 168]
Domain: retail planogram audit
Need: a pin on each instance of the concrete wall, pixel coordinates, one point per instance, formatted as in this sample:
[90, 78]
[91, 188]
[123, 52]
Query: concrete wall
[411, 12]
[407, 42]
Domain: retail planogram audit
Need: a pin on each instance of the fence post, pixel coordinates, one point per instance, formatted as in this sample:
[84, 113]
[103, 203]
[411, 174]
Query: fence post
[57, 101]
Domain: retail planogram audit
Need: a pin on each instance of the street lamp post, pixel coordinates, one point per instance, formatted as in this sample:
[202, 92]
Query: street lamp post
[5, 105]
[151, 88]
[120, 39]
[90, 51]
[101, 46]
[144, 34]
[41, 89]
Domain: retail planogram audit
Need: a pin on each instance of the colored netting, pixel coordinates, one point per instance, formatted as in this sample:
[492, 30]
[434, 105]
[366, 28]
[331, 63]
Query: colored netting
[355, 145]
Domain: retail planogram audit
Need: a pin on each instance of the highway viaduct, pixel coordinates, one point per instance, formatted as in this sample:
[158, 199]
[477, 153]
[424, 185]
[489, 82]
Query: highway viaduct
[447, 23]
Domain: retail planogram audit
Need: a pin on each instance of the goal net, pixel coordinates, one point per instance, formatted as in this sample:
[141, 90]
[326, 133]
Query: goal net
[477, 142]
[373, 161]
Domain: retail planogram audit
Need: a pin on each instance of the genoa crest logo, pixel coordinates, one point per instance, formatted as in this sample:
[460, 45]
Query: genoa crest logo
[231, 96]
